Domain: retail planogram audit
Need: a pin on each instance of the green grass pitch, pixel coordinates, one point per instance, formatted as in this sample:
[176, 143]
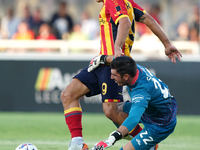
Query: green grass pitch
[48, 131]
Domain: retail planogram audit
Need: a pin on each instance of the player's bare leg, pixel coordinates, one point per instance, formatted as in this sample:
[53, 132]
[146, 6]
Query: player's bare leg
[73, 113]
[128, 146]
[116, 114]
[71, 94]
[113, 113]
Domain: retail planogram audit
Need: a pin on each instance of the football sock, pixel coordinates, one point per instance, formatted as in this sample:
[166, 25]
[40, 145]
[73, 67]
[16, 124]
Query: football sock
[78, 140]
[116, 125]
[135, 131]
[73, 118]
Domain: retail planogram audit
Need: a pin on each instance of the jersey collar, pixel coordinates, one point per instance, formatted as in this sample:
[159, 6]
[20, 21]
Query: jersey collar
[135, 78]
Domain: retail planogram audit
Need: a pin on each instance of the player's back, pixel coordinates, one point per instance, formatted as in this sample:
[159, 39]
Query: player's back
[158, 90]
[110, 14]
[161, 105]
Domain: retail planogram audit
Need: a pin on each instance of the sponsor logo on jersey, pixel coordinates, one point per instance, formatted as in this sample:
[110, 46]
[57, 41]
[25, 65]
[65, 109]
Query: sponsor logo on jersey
[101, 21]
[137, 98]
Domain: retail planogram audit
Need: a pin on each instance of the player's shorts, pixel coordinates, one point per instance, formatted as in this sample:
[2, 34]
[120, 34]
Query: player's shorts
[99, 82]
[145, 140]
[153, 133]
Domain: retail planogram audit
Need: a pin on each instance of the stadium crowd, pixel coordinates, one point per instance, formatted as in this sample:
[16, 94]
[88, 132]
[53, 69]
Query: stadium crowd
[62, 25]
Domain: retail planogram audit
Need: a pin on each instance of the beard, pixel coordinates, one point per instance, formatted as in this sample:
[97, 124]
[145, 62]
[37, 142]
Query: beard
[121, 83]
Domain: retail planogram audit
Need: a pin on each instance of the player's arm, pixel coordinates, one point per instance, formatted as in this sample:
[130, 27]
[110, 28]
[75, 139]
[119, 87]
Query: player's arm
[122, 33]
[99, 60]
[130, 122]
[170, 50]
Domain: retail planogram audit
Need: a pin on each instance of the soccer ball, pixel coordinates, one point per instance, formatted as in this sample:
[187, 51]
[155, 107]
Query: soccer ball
[26, 146]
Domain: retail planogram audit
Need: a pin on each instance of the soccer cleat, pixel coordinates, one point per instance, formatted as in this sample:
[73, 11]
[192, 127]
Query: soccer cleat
[74, 146]
[156, 147]
[85, 147]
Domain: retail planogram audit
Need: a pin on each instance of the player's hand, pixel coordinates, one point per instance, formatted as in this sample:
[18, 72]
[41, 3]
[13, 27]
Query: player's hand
[96, 61]
[116, 135]
[172, 53]
[118, 52]
[104, 144]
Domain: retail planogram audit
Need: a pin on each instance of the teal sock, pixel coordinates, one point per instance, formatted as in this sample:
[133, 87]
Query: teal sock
[116, 125]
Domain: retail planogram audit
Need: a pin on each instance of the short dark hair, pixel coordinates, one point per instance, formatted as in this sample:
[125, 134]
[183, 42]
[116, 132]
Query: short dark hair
[124, 65]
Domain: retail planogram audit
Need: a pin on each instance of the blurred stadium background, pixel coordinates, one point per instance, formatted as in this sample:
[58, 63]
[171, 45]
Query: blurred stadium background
[38, 62]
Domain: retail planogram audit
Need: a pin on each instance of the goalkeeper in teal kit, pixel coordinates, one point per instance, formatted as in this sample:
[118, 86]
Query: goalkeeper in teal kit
[151, 104]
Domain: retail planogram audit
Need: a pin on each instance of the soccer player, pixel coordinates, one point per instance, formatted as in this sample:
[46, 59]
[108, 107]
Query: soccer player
[117, 30]
[151, 104]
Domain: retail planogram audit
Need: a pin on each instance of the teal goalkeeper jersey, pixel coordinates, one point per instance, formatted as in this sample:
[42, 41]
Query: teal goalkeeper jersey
[149, 90]
[151, 102]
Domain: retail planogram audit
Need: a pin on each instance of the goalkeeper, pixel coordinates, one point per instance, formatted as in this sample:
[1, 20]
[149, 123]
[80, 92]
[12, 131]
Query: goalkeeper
[151, 104]
[117, 30]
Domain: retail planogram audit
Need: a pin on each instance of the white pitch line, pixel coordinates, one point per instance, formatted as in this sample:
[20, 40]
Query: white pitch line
[35, 142]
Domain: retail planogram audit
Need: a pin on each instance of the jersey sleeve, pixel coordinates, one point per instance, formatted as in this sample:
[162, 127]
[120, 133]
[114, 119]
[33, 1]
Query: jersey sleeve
[138, 11]
[117, 9]
[139, 102]
[133, 117]
[141, 97]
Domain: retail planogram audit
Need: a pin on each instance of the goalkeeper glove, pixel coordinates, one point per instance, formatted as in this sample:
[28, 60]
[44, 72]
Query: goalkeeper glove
[116, 135]
[96, 61]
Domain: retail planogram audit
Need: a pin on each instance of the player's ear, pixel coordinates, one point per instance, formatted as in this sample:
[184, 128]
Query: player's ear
[126, 76]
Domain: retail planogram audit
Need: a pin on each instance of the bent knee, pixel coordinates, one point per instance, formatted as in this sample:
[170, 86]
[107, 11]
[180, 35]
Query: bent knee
[66, 97]
[111, 114]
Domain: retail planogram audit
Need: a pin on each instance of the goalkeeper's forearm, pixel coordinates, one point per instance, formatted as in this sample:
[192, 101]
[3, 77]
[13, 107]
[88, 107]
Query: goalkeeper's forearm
[110, 58]
[124, 130]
